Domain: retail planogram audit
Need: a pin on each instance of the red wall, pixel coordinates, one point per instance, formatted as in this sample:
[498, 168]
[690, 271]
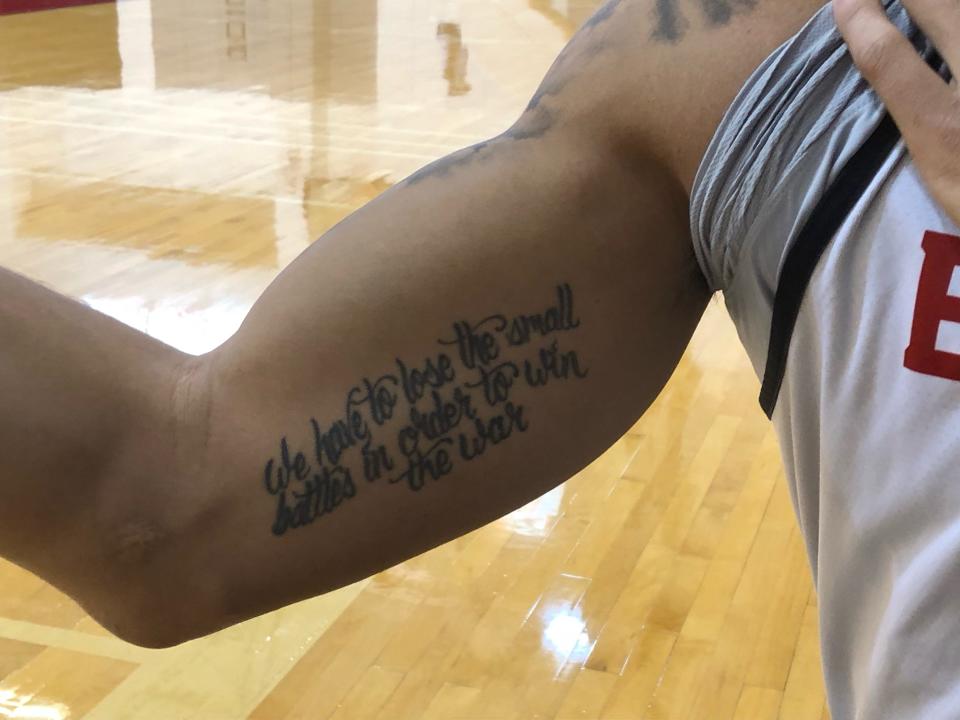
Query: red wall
[9, 7]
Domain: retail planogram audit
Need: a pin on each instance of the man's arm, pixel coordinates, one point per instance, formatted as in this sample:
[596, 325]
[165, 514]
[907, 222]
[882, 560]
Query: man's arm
[450, 352]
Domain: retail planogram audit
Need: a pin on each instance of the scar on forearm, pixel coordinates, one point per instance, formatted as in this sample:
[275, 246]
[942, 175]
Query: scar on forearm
[423, 418]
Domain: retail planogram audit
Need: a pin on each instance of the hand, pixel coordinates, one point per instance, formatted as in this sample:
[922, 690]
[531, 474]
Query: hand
[925, 108]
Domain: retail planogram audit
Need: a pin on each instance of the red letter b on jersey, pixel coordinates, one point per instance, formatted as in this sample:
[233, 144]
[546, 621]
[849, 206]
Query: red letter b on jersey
[934, 306]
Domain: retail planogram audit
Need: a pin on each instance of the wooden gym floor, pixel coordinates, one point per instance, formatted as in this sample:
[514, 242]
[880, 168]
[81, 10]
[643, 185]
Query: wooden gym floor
[162, 162]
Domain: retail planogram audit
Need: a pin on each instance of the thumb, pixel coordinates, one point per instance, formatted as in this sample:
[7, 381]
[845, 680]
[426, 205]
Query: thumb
[922, 104]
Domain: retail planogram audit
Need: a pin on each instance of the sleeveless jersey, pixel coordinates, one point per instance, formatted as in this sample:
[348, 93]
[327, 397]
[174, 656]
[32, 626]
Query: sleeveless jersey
[842, 276]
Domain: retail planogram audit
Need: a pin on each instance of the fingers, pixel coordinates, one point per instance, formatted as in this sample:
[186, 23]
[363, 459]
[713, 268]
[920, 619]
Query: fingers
[925, 108]
[940, 20]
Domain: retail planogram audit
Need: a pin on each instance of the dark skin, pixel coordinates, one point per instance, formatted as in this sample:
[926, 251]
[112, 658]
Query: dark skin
[453, 350]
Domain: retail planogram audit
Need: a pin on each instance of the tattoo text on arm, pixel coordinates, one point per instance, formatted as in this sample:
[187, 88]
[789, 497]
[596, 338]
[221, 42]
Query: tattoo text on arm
[421, 420]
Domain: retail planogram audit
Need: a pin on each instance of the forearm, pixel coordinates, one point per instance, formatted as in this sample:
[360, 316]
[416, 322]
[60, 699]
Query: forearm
[88, 417]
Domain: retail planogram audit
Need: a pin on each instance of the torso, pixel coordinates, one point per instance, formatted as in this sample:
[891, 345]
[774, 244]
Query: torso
[807, 178]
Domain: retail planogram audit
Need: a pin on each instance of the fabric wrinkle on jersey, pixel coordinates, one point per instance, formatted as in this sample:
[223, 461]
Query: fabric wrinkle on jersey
[870, 437]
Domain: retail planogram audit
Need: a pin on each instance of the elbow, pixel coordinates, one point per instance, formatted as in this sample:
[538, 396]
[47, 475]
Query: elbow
[154, 612]
[154, 633]
[136, 566]
[154, 594]
[159, 618]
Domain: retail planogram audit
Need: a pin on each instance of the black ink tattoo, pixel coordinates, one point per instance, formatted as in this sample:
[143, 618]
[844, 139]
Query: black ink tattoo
[720, 12]
[552, 85]
[303, 495]
[670, 25]
[603, 14]
[585, 45]
[445, 165]
[539, 118]
[717, 12]
[418, 422]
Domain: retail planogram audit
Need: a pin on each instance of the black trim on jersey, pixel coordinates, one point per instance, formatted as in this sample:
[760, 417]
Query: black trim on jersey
[802, 259]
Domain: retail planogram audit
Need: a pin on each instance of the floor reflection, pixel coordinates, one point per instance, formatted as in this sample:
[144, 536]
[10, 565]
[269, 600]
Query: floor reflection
[537, 519]
[455, 70]
[224, 134]
[565, 633]
[13, 705]
[64, 48]
[568, 15]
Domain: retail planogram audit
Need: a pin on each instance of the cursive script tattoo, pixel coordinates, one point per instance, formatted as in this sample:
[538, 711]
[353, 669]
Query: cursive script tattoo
[420, 420]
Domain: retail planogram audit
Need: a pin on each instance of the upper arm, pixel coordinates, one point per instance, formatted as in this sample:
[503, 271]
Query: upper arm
[456, 348]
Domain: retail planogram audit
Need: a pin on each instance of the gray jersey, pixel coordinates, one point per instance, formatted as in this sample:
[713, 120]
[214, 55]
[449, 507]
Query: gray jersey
[842, 276]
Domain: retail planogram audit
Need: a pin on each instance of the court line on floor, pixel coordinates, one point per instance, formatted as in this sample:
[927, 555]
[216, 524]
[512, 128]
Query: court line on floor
[229, 674]
[75, 640]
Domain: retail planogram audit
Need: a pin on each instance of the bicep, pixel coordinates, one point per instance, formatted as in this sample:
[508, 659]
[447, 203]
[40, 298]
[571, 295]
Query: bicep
[452, 351]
